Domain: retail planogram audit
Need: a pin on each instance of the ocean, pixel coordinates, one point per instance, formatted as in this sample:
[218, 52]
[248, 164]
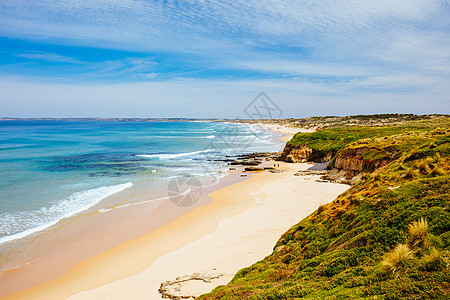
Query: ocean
[53, 170]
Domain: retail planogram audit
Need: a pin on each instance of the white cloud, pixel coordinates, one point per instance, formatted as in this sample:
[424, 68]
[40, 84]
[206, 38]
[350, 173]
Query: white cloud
[51, 57]
[155, 24]
[301, 68]
[388, 49]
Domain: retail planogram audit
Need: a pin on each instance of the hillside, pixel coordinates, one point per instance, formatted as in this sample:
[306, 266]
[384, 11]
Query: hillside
[348, 121]
[387, 237]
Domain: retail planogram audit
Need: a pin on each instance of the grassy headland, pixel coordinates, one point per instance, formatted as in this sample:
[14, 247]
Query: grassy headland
[387, 237]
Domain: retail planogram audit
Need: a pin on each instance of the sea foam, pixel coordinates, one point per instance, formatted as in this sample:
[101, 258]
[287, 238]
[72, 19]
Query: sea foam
[34, 221]
[174, 155]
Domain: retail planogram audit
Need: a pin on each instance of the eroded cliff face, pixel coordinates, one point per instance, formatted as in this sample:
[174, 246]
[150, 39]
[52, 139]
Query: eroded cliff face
[298, 154]
[359, 159]
[348, 165]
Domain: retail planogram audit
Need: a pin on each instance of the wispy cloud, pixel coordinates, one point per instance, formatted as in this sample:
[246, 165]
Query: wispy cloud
[329, 48]
[50, 57]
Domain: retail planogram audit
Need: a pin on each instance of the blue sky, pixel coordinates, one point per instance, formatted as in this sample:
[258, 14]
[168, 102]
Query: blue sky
[209, 58]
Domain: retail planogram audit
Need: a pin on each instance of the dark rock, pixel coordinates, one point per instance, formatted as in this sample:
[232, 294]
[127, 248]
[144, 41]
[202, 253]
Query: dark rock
[245, 162]
[254, 169]
[309, 172]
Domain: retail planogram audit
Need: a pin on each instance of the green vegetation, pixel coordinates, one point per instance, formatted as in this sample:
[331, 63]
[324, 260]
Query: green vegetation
[348, 121]
[387, 237]
[380, 139]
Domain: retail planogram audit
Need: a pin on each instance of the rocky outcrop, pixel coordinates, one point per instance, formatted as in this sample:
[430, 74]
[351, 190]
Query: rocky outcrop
[342, 176]
[302, 153]
[254, 169]
[309, 173]
[355, 161]
[350, 164]
[295, 154]
[251, 162]
[253, 159]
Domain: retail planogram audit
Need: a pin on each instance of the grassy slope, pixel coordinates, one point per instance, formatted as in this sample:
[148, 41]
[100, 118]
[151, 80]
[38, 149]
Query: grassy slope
[335, 253]
[332, 140]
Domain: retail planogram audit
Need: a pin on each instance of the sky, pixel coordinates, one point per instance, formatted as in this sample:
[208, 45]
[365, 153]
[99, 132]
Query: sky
[205, 58]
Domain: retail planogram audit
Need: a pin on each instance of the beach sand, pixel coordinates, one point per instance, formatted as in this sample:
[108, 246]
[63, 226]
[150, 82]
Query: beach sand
[288, 131]
[240, 227]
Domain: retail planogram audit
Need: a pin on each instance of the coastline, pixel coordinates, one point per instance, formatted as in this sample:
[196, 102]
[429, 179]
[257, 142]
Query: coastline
[85, 236]
[153, 252]
[53, 252]
[229, 226]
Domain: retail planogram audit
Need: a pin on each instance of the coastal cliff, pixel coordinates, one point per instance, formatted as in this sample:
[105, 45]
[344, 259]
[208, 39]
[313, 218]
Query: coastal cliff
[349, 152]
[296, 154]
[386, 237]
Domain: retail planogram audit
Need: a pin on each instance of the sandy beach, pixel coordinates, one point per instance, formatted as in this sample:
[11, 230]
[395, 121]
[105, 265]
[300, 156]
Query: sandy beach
[79, 239]
[287, 131]
[238, 228]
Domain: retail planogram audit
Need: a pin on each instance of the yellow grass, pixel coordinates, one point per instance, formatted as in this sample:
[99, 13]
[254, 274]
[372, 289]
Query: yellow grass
[397, 259]
[434, 260]
[418, 233]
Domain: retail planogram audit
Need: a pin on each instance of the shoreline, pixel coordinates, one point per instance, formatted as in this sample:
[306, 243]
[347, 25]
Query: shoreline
[82, 236]
[164, 251]
[90, 234]
[143, 251]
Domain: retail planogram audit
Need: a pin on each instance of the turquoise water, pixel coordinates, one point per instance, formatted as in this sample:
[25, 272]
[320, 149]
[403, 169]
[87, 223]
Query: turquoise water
[51, 170]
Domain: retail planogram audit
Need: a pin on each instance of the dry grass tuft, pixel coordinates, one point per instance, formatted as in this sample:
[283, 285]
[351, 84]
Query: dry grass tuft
[412, 173]
[438, 171]
[397, 259]
[434, 260]
[423, 166]
[438, 157]
[418, 233]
